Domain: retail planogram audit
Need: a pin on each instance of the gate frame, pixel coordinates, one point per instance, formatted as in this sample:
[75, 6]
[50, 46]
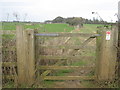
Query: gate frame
[26, 56]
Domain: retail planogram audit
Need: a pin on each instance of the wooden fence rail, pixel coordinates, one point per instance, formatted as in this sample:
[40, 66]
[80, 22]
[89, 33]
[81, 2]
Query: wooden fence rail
[65, 67]
[63, 57]
[69, 77]
[66, 47]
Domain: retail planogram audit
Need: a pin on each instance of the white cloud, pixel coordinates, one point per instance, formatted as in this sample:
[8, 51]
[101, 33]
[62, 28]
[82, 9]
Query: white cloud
[40, 10]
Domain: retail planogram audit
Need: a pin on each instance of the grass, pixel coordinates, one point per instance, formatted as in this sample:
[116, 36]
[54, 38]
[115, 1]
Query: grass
[48, 83]
[90, 28]
[89, 84]
[62, 72]
[9, 85]
[87, 28]
[79, 63]
[58, 28]
[41, 27]
[9, 26]
[8, 36]
[35, 26]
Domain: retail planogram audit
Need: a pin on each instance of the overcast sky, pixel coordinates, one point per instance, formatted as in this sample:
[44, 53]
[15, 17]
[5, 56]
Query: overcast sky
[41, 10]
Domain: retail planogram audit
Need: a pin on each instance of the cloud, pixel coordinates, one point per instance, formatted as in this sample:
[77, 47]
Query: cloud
[40, 10]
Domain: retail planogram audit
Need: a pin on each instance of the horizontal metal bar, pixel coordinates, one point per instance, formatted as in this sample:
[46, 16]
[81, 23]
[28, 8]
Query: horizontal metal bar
[64, 67]
[68, 77]
[95, 35]
[64, 34]
[47, 34]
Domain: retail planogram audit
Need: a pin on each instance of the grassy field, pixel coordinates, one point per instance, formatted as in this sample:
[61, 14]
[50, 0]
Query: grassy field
[41, 27]
[87, 28]
[90, 28]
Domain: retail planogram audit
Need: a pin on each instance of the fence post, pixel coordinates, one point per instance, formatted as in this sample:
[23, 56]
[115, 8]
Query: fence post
[106, 55]
[25, 56]
[118, 59]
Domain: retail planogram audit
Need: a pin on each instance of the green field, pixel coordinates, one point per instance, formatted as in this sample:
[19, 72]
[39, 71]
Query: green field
[87, 28]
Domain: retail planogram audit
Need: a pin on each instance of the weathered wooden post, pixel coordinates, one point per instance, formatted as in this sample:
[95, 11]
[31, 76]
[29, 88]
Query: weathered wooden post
[106, 54]
[25, 56]
[118, 59]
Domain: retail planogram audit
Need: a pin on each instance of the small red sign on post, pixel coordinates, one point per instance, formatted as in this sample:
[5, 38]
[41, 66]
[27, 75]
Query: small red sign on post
[108, 33]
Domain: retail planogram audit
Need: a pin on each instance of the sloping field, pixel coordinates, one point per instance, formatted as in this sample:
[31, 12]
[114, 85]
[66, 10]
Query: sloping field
[87, 28]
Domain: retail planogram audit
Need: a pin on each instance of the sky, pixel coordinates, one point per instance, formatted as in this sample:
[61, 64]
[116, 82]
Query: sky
[41, 10]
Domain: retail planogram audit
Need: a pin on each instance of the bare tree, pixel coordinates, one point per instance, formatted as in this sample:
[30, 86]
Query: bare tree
[7, 17]
[16, 15]
[25, 15]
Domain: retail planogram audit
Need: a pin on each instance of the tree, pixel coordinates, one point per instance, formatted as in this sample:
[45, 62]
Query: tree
[59, 19]
[74, 21]
[69, 20]
[15, 14]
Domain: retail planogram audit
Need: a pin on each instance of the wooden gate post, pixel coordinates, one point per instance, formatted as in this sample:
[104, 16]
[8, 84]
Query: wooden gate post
[25, 56]
[106, 54]
[118, 59]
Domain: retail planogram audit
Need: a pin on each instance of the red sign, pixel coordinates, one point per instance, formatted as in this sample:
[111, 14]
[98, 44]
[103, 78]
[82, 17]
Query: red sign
[108, 32]
[108, 35]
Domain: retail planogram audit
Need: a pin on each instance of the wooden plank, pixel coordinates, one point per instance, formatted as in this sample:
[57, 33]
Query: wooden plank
[20, 55]
[8, 31]
[5, 64]
[118, 54]
[66, 47]
[68, 77]
[106, 55]
[30, 56]
[49, 71]
[65, 67]
[64, 57]
[25, 56]
[113, 54]
[37, 54]
[64, 34]
[98, 46]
